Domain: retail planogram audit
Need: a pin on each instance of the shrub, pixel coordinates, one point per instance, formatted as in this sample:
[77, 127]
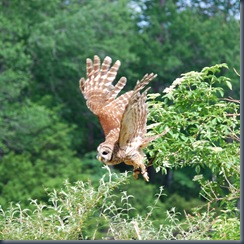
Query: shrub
[204, 135]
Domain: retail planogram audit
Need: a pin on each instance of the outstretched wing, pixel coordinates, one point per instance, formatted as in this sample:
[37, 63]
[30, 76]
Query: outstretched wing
[101, 94]
[133, 124]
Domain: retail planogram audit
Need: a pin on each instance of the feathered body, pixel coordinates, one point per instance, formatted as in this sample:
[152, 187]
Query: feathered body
[123, 118]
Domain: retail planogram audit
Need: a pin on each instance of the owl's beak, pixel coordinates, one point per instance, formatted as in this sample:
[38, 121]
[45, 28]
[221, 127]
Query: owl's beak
[99, 158]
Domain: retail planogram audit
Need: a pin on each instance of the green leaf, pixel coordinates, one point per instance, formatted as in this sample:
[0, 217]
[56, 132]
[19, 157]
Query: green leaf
[197, 169]
[228, 83]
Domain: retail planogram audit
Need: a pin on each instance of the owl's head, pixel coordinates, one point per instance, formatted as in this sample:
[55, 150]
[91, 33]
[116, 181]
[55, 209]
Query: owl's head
[105, 153]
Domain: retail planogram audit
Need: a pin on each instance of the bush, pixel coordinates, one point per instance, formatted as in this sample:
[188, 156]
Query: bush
[77, 212]
[82, 212]
[204, 135]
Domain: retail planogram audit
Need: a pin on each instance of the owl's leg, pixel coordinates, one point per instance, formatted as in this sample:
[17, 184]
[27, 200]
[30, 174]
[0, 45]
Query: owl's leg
[142, 166]
[145, 175]
[139, 167]
[143, 171]
[136, 172]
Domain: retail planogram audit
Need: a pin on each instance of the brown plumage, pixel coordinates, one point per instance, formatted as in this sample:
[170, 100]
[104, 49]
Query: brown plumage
[123, 118]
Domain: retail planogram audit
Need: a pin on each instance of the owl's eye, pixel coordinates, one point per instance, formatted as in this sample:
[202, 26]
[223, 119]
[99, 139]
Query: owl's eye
[104, 153]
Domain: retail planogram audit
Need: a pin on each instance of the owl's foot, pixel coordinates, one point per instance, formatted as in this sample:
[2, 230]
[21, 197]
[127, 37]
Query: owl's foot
[136, 172]
[145, 175]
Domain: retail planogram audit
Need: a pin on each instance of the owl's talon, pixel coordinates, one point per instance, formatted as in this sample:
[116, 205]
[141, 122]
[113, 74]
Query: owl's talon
[145, 175]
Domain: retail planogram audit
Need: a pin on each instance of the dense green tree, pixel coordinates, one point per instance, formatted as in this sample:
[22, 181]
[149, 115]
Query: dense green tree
[179, 36]
[59, 47]
[35, 142]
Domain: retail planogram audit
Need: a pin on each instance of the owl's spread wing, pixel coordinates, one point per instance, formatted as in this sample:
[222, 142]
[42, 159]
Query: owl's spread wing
[133, 124]
[101, 94]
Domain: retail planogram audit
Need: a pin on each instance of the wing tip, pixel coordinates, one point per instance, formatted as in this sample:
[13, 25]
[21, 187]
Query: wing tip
[81, 84]
[118, 62]
[107, 59]
[88, 60]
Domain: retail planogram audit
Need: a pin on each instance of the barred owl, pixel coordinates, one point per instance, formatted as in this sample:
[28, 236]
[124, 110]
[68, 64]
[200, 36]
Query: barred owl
[123, 118]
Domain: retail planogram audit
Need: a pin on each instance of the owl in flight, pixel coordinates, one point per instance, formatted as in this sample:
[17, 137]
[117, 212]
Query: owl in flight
[123, 118]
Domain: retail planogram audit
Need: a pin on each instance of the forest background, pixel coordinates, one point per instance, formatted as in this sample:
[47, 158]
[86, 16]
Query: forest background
[47, 134]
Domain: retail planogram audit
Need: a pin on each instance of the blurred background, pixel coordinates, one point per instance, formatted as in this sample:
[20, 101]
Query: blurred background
[47, 134]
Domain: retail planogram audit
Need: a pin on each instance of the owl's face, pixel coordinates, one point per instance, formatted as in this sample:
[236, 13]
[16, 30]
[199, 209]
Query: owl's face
[105, 153]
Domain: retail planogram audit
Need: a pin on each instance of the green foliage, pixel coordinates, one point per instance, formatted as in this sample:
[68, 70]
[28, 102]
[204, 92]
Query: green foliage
[204, 134]
[81, 211]
[35, 141]
[44, 120]
[64, 217]
[201, 124]
[36, 146]
[178, 36]
[67, 215]
[59, 47]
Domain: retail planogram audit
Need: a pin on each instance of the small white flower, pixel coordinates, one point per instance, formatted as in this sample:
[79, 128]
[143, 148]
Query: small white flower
[216, 149]
[177, 81]
[168, 89]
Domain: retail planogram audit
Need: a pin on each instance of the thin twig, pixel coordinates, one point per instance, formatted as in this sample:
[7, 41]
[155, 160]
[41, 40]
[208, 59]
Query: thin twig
[230, 99]
[228, 115]
[137, 230]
